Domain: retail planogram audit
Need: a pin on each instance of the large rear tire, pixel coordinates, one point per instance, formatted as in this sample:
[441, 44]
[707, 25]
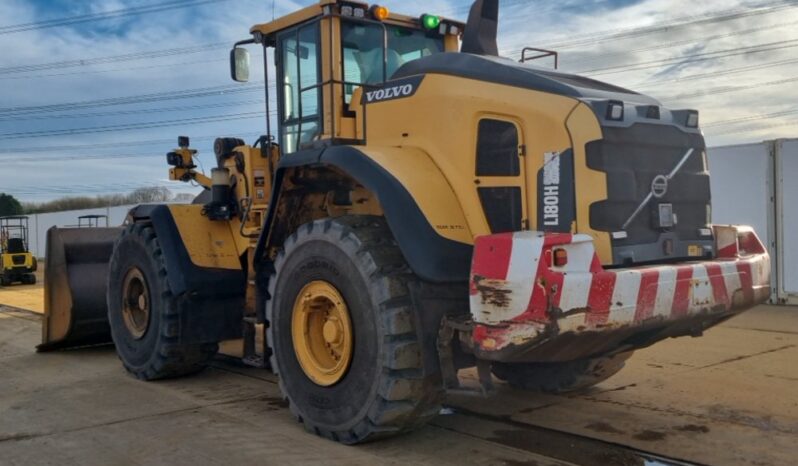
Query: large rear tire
[143, 312]
[561, 377]
[342, 284]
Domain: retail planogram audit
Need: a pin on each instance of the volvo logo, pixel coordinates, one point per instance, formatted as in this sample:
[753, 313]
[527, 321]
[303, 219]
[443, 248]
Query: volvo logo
[391, 90]
[659, 187]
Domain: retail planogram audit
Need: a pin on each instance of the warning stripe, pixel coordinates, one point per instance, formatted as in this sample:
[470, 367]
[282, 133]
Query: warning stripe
[681, 296]
[648, 295]
[523, 261]
[718, 283]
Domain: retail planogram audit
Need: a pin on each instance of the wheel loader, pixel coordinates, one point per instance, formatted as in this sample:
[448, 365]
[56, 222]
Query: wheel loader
[423, 206]
[17, 263]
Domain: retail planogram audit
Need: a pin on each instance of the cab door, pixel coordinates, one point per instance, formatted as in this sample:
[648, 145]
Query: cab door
[298, 87]
[501, 174]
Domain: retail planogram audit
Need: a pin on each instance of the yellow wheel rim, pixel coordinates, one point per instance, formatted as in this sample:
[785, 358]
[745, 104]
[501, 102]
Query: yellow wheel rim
[322, 333]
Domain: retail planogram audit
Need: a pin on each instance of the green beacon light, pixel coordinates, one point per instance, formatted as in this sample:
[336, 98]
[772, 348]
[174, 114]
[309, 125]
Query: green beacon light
[430, 22]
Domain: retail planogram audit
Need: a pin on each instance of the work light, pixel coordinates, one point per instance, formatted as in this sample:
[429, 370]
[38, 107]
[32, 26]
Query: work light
[615, 111]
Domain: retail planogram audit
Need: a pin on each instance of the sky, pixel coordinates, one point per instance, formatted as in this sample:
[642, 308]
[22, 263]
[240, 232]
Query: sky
[92, 107]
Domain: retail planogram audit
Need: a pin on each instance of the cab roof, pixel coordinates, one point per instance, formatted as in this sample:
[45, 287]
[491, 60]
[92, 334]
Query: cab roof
[312, 11]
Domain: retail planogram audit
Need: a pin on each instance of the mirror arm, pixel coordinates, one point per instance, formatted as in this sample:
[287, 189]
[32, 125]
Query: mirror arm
[244, 42]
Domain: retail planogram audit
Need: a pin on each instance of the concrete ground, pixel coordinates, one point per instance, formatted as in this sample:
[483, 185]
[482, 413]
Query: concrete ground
[730, 397]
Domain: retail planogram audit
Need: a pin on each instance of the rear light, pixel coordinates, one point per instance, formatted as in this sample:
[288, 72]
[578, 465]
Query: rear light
[560, 257]
[615, 110]
[692, 119]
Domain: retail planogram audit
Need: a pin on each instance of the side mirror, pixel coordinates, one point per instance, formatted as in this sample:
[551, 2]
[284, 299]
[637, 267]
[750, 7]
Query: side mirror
[239, 64]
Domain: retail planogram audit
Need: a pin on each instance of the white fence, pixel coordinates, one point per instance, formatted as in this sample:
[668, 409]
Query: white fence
[757, 185]
[40, 223]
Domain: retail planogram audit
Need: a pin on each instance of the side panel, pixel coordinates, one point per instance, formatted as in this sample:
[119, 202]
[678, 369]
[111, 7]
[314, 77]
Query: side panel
[417, 223]
[442, 118]
[425, 183]
[787, 219]
[210, 245]
[591, 185]
[427, 224]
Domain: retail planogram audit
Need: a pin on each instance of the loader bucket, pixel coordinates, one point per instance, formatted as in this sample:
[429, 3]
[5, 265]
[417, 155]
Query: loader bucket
[75, 279]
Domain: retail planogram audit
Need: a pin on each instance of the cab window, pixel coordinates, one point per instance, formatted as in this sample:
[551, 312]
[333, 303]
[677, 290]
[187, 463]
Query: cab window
[367, 60]
[299, 92]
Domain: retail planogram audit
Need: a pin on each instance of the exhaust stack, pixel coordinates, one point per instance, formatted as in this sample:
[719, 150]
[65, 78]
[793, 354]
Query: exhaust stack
[481, 32]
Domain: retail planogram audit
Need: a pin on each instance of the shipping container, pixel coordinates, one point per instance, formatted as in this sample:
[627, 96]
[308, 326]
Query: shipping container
[757, 185]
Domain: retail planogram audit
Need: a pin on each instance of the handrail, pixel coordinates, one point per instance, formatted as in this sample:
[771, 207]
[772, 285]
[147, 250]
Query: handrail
[542, 53]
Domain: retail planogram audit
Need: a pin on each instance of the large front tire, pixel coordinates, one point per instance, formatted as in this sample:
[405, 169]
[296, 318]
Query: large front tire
[351, 265]
[143, 312]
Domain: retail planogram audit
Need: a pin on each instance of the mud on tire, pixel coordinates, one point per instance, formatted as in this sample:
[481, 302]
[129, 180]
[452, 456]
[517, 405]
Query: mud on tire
[157, 354]
[561, 377]
[384, 392]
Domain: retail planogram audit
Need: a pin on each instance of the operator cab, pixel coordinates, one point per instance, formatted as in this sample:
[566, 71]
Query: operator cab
[326, 52]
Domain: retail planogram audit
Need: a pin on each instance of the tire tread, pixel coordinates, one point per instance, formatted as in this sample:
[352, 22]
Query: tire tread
[171, 358]
[405, 400]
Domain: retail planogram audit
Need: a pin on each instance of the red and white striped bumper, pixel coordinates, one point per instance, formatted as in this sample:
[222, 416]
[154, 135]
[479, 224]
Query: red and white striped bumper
[519, 298]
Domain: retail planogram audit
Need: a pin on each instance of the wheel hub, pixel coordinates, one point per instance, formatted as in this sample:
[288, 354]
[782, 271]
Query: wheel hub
[135, 303]
[322, 333]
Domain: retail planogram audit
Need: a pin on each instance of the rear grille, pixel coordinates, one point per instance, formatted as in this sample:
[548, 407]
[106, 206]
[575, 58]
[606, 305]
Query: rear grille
[632, 158]
[18, 260]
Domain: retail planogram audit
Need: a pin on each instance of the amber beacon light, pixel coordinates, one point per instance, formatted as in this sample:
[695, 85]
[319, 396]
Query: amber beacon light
[380, 13]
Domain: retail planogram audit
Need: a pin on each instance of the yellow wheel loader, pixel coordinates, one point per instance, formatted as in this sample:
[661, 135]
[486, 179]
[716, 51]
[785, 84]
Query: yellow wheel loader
[422, 207]
[17, 263]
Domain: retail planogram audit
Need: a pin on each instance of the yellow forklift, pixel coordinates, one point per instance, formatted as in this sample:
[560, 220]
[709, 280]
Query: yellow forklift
[18, 264]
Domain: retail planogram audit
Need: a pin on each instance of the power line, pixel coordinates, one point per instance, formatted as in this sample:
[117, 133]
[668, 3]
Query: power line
[660, 46]
[72, 190]
[133, 112]
[734, 121]
[114, 70]
[694, 58]
[121, 13]
[728, 89]
[136, 99]
[591, 38]
[714, 74]
[101, 145]
[750, 129]
[131, 126]
[28, 161]
[112, 58]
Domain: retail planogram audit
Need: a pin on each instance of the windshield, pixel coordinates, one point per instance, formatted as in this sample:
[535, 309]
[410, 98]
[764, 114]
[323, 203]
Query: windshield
[366, 61]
